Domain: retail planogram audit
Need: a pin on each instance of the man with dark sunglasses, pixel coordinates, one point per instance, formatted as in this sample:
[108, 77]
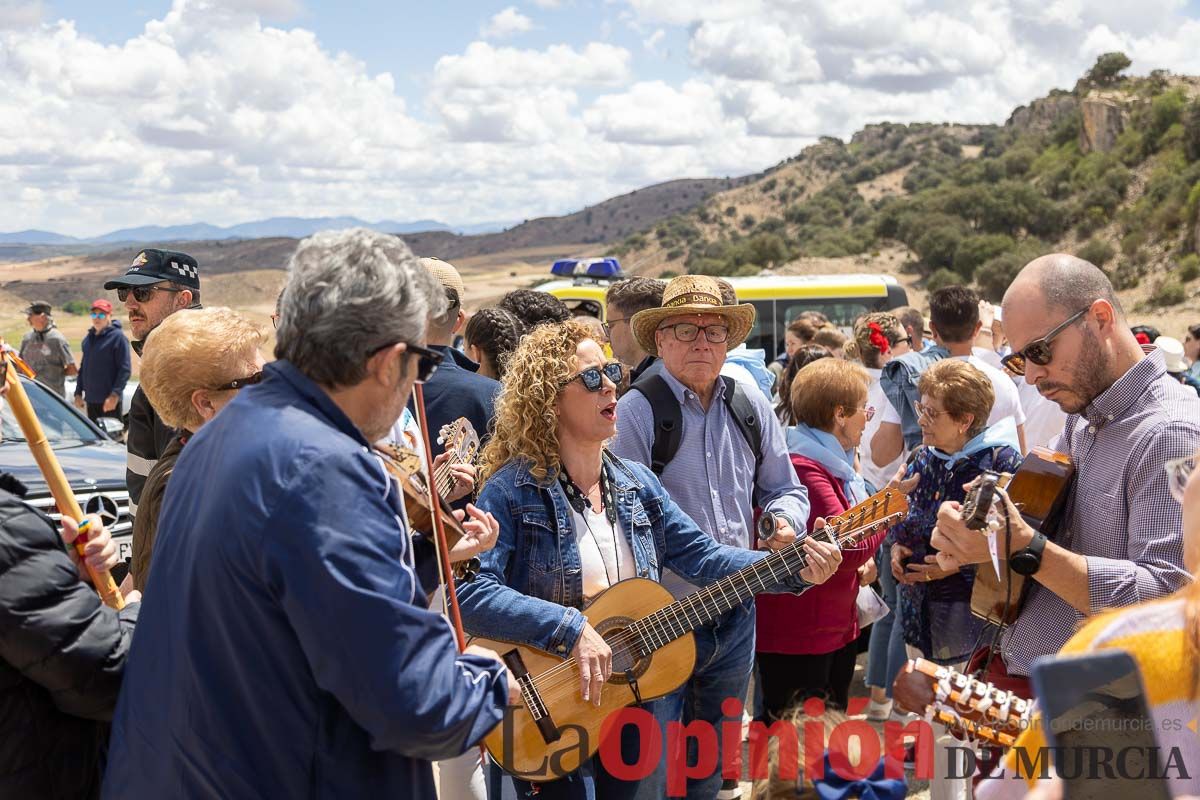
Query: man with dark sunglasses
[291, 592]
[1119, 542]
[157, 284]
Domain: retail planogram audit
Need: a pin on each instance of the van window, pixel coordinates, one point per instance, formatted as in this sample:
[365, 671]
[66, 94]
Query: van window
[775, 315]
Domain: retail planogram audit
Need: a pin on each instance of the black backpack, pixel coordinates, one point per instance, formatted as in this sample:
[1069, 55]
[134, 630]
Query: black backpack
[668, 419]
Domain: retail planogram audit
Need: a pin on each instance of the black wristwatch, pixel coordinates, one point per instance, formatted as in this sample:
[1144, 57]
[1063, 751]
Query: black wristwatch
[1028, 560]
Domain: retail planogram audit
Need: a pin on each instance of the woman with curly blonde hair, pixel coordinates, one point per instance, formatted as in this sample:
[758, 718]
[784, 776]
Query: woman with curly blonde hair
[574, 520]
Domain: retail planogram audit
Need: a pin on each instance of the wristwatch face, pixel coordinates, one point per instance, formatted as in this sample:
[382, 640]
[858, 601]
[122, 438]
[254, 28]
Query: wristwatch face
[766, 526]
[1025, 563]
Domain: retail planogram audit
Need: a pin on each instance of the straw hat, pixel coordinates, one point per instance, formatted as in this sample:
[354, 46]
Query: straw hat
[692, 294]
[1172, 350]
[446, 275]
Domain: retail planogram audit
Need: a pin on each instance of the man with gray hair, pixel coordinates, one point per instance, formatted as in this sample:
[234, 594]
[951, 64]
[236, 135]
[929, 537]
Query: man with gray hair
[290, 653]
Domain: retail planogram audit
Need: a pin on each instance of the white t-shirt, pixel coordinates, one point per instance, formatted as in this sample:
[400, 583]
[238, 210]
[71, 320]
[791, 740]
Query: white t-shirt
[604, 553]
[879, 476]
[991, 357]
[1008, 402]
[1044, 420]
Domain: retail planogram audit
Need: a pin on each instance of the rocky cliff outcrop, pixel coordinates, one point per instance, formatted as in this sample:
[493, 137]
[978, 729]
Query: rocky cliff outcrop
[1101, 122]
[1043, 114]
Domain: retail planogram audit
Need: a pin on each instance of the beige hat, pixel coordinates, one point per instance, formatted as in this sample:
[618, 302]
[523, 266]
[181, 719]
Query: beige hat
[1172, 350]
[446, 275]
[692, 294]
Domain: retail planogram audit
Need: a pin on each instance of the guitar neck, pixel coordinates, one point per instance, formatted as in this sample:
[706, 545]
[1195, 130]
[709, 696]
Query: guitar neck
[700, 608]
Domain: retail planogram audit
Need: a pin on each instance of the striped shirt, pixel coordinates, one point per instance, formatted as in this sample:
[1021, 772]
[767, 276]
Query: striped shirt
[1120, 515]
[712, 475]
[1154, 634]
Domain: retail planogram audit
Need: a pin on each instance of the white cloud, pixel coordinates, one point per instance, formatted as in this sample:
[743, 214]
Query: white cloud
[20, 13]
[212, 114]
[483, 65]
[508, 22]
[753, 50]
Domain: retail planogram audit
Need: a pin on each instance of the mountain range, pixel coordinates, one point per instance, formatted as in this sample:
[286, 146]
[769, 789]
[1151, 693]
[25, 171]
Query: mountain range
[292, 227]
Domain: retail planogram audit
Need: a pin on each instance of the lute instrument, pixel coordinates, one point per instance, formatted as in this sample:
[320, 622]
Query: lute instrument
[553, 730]
[462, 442]
[1039, 489]
[962, 703]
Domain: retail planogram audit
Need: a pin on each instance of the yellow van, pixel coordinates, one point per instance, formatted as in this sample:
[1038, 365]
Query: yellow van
[778, 300]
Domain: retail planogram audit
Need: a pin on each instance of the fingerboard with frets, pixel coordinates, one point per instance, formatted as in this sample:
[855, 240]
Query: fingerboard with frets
[669, 623]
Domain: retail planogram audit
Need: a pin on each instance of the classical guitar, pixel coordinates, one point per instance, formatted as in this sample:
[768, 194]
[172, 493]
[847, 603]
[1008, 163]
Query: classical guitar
[552, 731]
[962, 703]
[1039, 490]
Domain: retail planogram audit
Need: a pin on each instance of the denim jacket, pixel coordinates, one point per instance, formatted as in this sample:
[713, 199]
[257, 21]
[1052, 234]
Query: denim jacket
[530, 586]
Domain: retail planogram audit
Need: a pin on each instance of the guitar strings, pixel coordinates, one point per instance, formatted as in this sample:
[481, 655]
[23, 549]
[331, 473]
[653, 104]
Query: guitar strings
[555, 678]
[710, 592]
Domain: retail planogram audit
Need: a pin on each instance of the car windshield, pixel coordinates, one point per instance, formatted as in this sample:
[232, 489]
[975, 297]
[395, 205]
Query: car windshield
[62, 426]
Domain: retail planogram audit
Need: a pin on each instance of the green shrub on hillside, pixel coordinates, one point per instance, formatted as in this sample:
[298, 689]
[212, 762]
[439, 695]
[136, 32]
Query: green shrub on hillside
[1168, 293]
[941, 279]
[1165, 111]
[937, 246]
[76, 307]
[1189, 268]
[1191, 131]
[1096, 251]
[975, 250]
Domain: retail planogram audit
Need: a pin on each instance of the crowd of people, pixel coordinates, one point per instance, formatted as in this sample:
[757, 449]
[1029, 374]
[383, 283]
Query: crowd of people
[294, 641]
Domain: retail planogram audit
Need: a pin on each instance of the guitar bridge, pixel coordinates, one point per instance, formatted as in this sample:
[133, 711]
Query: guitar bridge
[531, 697]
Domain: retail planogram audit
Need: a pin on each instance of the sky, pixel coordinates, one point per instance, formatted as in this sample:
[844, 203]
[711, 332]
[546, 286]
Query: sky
[158, 112]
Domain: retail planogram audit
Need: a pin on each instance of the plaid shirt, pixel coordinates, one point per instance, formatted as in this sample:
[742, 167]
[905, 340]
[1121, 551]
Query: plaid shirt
[1120, 515]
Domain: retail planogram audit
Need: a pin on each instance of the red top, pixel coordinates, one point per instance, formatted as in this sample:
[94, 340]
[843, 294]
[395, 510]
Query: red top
[825, 617]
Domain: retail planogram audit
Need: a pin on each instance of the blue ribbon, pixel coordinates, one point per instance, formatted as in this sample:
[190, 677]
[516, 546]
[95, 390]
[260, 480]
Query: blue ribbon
[874, 787]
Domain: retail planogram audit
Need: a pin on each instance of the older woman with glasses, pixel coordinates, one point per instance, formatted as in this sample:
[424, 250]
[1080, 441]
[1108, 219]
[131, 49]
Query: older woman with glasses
[193, 364]
[574, 520]
[1163, 636]
[957, 445]
[807, 645]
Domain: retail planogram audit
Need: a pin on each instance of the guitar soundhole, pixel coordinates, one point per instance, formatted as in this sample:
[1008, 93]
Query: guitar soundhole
[625, 653]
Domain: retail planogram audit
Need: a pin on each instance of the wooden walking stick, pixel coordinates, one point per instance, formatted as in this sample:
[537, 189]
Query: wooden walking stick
[60, 487]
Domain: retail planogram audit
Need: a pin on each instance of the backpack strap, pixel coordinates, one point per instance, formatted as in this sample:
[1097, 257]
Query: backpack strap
[668, 420]
[744, 416]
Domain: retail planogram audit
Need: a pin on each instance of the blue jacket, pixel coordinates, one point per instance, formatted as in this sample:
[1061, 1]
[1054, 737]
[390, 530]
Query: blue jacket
[104, 369]
[530, 587]
[899, 378]
[289, 652]
[458, 390]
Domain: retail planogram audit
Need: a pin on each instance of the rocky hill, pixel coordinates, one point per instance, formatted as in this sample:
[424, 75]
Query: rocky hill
[1109, 170]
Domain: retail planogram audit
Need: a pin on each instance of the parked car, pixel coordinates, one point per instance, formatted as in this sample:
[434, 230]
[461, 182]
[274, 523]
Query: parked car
[126, 396]
[93, 463]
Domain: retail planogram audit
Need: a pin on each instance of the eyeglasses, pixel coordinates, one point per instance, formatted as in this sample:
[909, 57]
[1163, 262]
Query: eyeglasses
[906, 340]
[427, 362]
[1178, 473]
[99, 314]
[593, 377]
[275, 321]
[143, 293]
[687, 332]
[868, 411]
[607, 326]
[926, 411]
[1038, 351]
[241, 383]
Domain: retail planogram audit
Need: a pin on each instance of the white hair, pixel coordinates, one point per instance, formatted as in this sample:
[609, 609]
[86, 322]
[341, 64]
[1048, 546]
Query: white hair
[350, 293]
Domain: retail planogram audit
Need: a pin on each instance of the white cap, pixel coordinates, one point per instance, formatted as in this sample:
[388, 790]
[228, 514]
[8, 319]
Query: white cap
[1172, 350]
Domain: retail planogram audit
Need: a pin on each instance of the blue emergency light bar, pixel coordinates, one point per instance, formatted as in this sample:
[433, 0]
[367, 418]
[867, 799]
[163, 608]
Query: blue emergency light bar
[608, 267]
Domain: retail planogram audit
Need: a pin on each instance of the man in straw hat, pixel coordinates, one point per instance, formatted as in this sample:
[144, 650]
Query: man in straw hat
[719, 451]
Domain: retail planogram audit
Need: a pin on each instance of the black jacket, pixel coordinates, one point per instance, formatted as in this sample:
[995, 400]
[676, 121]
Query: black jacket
[145, 441]
[62, 655]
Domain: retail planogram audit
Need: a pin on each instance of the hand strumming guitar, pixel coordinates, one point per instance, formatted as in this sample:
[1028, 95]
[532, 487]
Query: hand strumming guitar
[481, 532]
[594, 657]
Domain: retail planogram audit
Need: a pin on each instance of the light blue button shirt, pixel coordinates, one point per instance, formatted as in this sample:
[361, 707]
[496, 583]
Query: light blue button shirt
[712, 475]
